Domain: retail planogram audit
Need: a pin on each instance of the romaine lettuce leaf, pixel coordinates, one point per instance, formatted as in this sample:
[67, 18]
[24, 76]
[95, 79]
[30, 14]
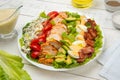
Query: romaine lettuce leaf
[11, 67]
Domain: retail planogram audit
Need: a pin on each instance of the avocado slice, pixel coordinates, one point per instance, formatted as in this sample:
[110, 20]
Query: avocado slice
[68, 60]
[60, 56]
[65, 47]
[70, 19]
[60, 60]
[62, 50]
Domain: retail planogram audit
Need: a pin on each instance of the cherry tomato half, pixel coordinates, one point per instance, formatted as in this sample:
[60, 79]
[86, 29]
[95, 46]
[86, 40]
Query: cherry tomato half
[43, 35]
[53, 14]
[45, 23]
[47, 27]
[34, 41]
[35, 47]
[35, 54]
[42, 40]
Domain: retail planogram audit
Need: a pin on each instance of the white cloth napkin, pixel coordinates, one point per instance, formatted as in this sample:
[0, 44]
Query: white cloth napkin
[111, 62]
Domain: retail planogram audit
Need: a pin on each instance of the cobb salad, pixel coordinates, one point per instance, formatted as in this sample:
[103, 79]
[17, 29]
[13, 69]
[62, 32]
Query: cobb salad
[61, 39]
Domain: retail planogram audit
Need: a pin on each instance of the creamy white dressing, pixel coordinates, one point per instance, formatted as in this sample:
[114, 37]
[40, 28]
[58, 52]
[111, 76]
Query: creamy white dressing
[7, 20]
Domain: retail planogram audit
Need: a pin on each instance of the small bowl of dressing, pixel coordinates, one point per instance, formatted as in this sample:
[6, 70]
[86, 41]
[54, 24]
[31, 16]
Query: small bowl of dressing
[112, 5]
[116, 19]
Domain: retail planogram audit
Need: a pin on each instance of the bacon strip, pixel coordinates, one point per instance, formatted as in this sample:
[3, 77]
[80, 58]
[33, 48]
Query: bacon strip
[87, 50]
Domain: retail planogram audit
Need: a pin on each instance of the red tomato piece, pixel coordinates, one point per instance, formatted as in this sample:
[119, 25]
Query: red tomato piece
[41, 40]
[53, 14]
[47, 27]
[43, 35]
[45, 23]
[35, 47]
[35, 54]
[34, 41]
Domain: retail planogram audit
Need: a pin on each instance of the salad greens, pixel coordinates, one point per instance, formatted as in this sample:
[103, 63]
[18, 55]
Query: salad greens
[43, 15]
[11, 67]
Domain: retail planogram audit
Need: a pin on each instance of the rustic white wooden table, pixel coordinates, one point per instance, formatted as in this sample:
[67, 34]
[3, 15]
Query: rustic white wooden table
[31, 9]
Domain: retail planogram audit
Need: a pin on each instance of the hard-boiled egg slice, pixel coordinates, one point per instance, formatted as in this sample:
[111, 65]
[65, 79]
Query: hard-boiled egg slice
[81, 28]
[79, 37]
[79, 43]
[73, 54]
[75, 47]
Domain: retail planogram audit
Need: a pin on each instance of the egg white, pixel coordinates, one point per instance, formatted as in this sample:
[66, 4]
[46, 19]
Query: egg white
[75, 48]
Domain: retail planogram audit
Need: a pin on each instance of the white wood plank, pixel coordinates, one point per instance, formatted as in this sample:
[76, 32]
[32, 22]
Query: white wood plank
[33, 8]
[40, 74]
[99, 4]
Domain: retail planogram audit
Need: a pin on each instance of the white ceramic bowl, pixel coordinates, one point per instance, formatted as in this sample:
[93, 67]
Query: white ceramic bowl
[111, 8]
[46, 67]
[116, 19]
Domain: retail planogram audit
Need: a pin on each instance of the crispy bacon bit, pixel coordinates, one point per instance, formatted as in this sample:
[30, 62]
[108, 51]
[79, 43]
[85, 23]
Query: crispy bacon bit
[90, 42]
[92, 32]
[80, 60]
[89, 55]
[81, 55]
[85, 53]
[87, 50]
[92, 22]
[88, 36]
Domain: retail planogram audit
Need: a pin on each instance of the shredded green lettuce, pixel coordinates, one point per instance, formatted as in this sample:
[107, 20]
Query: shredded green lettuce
[72, 14]
[21, 41]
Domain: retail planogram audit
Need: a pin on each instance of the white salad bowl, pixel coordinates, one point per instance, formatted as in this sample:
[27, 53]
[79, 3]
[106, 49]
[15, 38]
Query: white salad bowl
[51, 68]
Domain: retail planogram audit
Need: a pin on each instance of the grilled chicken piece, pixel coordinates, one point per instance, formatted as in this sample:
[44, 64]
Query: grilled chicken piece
[55, 43]
[48, 49]
[54, 36]
[57, 19]
[63, 14]
[45, 61]
[57, 31]
[60, 17]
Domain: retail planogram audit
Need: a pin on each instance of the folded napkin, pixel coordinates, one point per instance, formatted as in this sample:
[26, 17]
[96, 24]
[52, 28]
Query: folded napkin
[111, 61]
